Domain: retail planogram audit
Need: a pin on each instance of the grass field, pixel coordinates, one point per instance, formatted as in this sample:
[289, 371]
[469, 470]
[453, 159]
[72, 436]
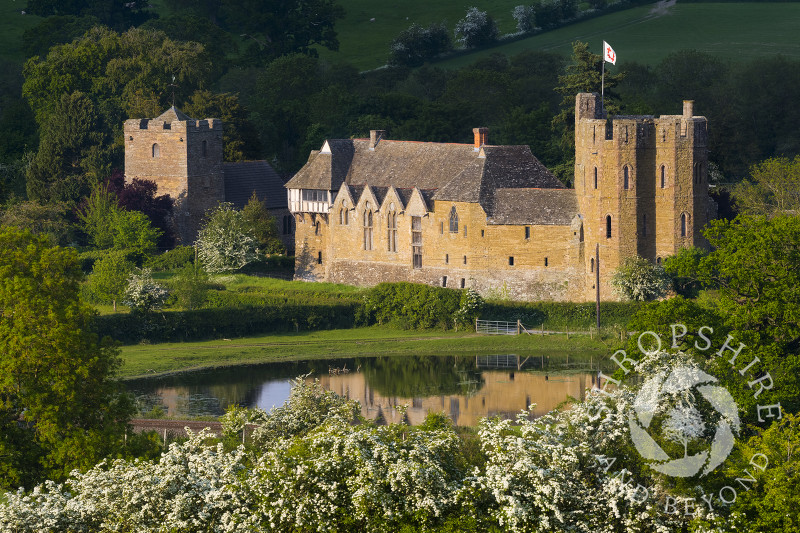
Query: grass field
[145, 360]
[12, 24]
[737, 31]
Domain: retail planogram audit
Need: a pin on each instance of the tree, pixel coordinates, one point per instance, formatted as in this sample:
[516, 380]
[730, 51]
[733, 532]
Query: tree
[226, 242]
[639, 279]
[263, 226]
[140, 195]
[239, 136]
[525, 17]
[774, 188]
[58, 29]
[117, 14]
[59, 407]
[682, 268]
[477, 28]
[109, 278]
[142, 293]
[51, 220]
[190, 286]
[684, 423]
[416, 44]
[74, 152]
[583, 75]
[109, 226]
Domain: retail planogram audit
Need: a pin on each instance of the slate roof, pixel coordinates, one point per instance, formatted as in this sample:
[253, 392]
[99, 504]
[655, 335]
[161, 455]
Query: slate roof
[173, 114]
[442, 171]
[241, 179]
[518, 206]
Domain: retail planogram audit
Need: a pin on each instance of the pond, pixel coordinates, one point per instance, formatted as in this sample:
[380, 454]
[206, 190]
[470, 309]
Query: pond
[465, 388]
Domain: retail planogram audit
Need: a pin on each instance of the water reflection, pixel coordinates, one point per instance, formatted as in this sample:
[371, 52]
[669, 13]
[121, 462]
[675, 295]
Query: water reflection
[465, 388]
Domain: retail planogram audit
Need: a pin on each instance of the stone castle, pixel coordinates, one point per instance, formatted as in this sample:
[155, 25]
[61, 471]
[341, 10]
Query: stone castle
[493, 218]
[183, 156]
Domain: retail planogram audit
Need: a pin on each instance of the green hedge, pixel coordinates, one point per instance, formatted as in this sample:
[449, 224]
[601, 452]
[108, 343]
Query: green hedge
[174, 259]
[89, 257]
[559, 313]
[204, 324]
[410, 305]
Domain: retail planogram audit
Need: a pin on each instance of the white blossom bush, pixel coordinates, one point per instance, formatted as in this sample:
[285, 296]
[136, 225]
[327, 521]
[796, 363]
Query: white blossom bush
[143, 293]
[525, 17]
[475, 29]
[226, 242]
[639, 279]
[192, 487]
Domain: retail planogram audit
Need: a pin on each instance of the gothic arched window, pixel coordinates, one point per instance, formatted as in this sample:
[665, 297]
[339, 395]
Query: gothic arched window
[367, 227]
[453, 220]
[683, 224]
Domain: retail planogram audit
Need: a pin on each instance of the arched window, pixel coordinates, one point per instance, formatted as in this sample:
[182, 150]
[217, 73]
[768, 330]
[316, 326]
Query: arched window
[367, 227]
[663, 176]
[591, 268]
[346, 217]
[156, 150]
[595, 177]
[625, 173]
[683, 225]
[341, 216]
[581, 236]
[391, 237]
[453, 220]
[608, 226]
[316, 228]
[205, 147]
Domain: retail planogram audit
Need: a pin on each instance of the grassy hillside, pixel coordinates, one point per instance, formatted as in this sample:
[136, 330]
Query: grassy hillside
[739, 31]
[12, 24]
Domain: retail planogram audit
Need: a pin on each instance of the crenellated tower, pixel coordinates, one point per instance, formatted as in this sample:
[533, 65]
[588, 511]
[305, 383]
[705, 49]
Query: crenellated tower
[641, 184]
[183, 156]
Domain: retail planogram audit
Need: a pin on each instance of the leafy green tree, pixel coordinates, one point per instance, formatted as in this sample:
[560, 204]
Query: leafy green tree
[639, 279]
[263, 227]
[239, 136]
[58, 29]
[118, 14]
[59, 408]
[682, 268]
[583, 75]
[51, 220]
[774, 188]
[190, 286]
[477, 28]
[227, 241]
[109, 226]
[109, 277]
[416, 44]
[74, 152]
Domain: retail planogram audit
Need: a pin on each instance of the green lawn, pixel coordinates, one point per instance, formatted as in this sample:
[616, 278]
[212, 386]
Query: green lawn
[12, 24]
[143, 360]
[737, 31]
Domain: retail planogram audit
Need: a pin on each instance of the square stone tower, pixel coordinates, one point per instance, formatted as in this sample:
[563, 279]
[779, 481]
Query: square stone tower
[183, 156]
[642, 185]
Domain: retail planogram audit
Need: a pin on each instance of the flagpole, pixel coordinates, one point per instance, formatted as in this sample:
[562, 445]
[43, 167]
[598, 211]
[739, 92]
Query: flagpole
[603, 84]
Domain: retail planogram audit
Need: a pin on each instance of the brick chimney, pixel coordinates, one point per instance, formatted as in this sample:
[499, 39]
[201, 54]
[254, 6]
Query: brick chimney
[688, 108]
[481, 137]
[374, 137]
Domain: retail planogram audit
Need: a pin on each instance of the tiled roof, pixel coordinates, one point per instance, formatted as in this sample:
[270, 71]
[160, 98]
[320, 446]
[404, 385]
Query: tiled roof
[442, 171]
[533, 206]
[241, 179]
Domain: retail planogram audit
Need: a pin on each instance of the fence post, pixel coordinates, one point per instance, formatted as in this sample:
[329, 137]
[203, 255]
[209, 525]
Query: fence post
[518, 331]
[476, 324]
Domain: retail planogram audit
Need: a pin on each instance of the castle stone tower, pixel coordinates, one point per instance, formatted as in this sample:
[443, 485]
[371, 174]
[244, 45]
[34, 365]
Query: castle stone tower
[183, 156]
[641, 184]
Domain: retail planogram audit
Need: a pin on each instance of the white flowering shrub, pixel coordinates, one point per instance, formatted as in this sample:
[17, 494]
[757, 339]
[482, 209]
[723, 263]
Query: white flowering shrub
[226, 242]
[525, 17]
[192, 487]
[143, 293]
[317, 469]
[639, 279]
[475, 29]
